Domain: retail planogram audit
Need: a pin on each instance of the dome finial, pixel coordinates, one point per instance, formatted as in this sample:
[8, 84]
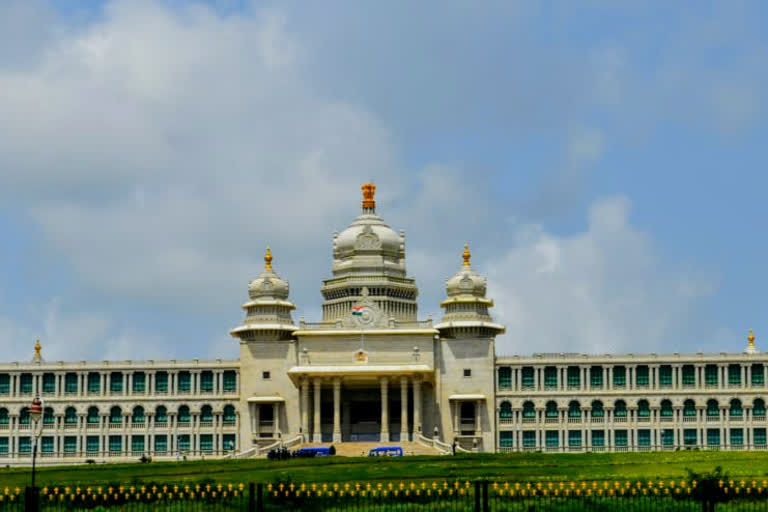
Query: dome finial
[751, 339]
[268, 259]
[369, 205]
[466, 255]
[38, 348]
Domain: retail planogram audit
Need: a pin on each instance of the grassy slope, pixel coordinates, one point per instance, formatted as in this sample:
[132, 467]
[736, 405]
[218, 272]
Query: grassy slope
[510, 467]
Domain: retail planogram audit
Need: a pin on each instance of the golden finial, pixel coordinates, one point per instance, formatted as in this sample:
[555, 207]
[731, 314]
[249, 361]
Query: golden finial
[369, 189]
[38, 348]
[268, 259]
[466, 255]
[751, 338]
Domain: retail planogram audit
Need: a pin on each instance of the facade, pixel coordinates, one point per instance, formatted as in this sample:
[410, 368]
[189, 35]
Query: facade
[371, 370]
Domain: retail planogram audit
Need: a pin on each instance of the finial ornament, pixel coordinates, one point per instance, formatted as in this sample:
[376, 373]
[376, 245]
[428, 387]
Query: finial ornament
[268, 259]
[38, 348]
[751, 338]
[466, 255]
[369, 189]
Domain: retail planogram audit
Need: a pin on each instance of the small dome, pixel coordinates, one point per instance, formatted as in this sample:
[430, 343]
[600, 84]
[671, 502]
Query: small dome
[466, 282]
[268, 285]
[368, 234]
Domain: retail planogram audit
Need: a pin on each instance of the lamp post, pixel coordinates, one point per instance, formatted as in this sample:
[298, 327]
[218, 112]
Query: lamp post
[35, 413]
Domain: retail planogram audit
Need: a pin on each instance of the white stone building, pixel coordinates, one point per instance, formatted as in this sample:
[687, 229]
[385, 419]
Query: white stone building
[326, 381]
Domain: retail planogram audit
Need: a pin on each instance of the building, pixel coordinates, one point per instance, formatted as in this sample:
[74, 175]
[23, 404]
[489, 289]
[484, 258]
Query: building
[326, 381]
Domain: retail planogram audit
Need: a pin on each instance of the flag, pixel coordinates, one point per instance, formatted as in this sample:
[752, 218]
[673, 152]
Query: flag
[357, 310]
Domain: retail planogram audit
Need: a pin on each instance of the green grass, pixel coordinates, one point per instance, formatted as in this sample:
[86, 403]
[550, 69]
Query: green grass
[510, 467]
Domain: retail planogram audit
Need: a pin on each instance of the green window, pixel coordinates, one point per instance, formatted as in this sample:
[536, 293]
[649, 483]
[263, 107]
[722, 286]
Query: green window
[230, 379]
[25, 383]
[70, 444]
[505, 411]
[552, 439]
[161, 382]
[619, 376]
[736, 409]
[25, 445]
[737, 437]
[620, 409]
[46, 444]
[597, 409]
[70, 416]
[161, 414]
[206, 414]
[161, 443]
[184, 416]
[734, 374]
[206, 382]
[641, 376]
[138, 415]
[713, 408]
[551, 410]
[48, 418]
[620, 438]
[24, 416]
[668, 437]
[183, 442]
[527, 377]
[506, 439]
[574, 409]
[758, 375]
[230, 416]
[529, 439]
[643, 409]
[206, 442]
[230, 441]
[713, 437]
[70, 383]
[3, 445]
[93, 415]
[596, 376]
[665, 375]
[92, 444]
[49, 383]
[94, 383]
[116, 382]
[759, 436]
[574, 438]
[689, 375]
[758, 407]
[139, 382]
[643, 437]
[574, 376]
[137, 444]
[5, 384]
[598, 438]
[4, 420]
[689, 437]
[550, 377]
[505, 379]
[689, 408]
[528, 410]
[115, 444]
[185, 382]
[666, 409]
[710, 375]
[115, 415]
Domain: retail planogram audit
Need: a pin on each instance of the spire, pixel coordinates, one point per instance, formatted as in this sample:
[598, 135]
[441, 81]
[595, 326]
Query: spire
[466, 255]
[268, 259]
[38, 348]
[369, 204]
[751, 347]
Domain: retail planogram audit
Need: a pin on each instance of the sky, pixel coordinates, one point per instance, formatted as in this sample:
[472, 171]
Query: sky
[604, 160]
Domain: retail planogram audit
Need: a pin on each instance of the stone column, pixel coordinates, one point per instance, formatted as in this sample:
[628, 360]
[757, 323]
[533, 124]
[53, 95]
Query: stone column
[416, 406]
[478, 418]
[403, 409]
[384, 410]
[316, 433]
[305, 408]
[337, 410]
[276, 418]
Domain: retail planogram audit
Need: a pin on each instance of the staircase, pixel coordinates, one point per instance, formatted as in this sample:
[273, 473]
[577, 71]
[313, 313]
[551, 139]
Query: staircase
[360, 449]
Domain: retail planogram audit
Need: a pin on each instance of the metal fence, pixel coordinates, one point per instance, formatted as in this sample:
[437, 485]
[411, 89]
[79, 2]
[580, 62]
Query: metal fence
[478, 496]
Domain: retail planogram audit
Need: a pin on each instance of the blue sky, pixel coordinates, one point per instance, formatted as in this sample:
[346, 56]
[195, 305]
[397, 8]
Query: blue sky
[604, 159]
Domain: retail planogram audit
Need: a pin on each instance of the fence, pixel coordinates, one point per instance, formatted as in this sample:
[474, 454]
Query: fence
[478, 496]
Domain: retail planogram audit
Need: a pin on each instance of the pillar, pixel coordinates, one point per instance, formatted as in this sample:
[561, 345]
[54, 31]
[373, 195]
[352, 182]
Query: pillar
[337, 410]
[276, 419]
[384, 410]
[316, 433]
[416, 406]
[305, 408]
[478, 418]
[403, 409]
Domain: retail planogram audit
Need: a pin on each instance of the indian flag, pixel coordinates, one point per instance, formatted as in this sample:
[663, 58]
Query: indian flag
[357, 310]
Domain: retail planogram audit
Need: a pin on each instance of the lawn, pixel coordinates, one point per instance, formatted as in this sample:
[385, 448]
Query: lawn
[518, 467]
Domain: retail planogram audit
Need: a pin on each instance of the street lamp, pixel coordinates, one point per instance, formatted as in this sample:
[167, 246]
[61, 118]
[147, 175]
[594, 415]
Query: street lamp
[35, 412]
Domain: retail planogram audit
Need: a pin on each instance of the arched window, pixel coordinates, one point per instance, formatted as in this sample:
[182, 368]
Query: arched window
[736, 407]
[758, 407]
[528, 410]
[206, 414]
[689, 408]
[4, 416]
[70, 416]
[93, 415]
[138, 415]
[551, 409]
[505, 411]
[24, 416]
[574, 409]
[620, 409]
[597, 409]
[230, 415]
[116, 415]
[643, 409]
[161, 414]
[713, 408]
[48, 418]
[666, 409]
[183, 414]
